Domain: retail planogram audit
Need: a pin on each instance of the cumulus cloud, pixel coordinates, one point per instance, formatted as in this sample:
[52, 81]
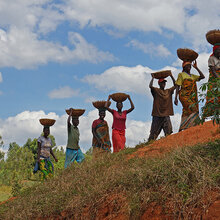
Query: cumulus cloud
[1, 79]
[128, 15]
[182, 17]
[24, 25]
[21, 48]
[41, 15]
[125, 79]
[150, 48]
[63, 92]
[26, 125]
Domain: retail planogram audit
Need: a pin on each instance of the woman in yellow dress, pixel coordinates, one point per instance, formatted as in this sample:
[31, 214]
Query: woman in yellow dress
[187, 91]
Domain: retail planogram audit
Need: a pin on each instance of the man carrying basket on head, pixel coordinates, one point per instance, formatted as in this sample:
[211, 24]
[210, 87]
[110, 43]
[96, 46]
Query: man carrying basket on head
[73, 151]
[162, 105]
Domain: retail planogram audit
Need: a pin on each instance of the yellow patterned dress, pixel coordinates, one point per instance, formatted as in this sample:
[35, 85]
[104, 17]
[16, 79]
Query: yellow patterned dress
[188, 97]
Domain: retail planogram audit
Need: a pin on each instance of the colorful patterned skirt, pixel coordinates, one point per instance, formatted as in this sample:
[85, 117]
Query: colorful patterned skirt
[189, 100]
[102, 132]
[46, 167]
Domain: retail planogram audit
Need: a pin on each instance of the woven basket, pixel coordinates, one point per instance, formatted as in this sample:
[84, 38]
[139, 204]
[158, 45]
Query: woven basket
[100, 104]
[47, 121]
[186, 54]
[119, 97]
[213, 37]
[161, 74]
[75, 112]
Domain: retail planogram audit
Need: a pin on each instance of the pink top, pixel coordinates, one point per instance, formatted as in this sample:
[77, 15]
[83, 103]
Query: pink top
[119, 120]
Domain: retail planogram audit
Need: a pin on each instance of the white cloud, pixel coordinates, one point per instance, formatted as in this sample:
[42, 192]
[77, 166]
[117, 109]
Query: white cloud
[41, 15]
[126, 79]
[63, 92]
[21, 48]
[24, 25]
[150, 48]
[127, 15]
[1, 79]
[182, 17]
[26, 125]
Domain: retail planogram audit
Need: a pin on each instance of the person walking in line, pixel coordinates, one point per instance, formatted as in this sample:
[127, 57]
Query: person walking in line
[118, 126]
[44, 151]
[162, 108]
[73, 151]
[101, 141]
[187, 92]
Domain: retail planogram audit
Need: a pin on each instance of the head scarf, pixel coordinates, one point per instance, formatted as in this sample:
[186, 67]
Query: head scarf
[161, 80]
[214, 48]
[186, 63]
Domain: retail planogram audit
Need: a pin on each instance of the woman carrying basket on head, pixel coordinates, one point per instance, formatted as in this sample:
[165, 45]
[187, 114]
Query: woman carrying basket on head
[119, 120]
[45, 150]
[101, 141]
[187, 91]
[214, 70]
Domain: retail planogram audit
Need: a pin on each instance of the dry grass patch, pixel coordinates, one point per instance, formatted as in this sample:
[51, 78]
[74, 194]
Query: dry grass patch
[178, 181]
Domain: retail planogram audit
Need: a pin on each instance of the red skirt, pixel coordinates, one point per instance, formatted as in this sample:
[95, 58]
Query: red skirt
[118, 140]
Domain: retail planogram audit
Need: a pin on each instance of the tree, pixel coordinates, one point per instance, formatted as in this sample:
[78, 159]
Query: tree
[2, 154]
[212, 107]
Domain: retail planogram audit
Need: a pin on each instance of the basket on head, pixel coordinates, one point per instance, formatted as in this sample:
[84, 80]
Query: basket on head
[213, 37]
[186, 54]
[119, 97]
[75, 112]
[161, 74]
[100, 104]
[47, 122]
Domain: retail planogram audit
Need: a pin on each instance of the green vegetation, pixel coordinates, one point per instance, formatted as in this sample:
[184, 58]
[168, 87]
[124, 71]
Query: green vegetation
[212, 108]
[5, 193]
[16, 171]
[181, 178]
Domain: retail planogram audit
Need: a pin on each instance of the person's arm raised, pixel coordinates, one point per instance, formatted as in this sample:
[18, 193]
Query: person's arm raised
[106, 105]
[176, 96]
[174, 82]
[151, 82]
[201, 75]
[132, 105]
[68, 119]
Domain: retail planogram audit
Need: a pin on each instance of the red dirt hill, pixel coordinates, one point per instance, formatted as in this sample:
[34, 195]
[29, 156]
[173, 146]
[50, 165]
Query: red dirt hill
[195, 135]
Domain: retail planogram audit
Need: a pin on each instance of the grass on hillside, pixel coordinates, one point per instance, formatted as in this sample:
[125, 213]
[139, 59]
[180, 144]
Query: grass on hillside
[5, 193]
[181, 179]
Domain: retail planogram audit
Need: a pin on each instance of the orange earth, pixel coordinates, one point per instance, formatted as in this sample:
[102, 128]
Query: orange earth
[195, 135]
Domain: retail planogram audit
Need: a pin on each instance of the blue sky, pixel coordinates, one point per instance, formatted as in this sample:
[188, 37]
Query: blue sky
[60, 54]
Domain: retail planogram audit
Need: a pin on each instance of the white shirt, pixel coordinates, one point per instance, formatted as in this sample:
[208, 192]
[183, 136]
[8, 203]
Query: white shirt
[214, 62]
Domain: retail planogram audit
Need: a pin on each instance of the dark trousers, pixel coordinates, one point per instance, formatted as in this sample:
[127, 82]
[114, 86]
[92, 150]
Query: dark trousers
[158, 124]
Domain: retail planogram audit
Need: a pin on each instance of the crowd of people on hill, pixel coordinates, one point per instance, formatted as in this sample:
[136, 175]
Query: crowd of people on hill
[186, 92]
